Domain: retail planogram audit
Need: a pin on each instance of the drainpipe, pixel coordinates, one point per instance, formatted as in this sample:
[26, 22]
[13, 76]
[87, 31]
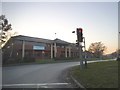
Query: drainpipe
[51, 51]
[11, 50]
[23, 49]
[69, 51]
[66, 52]
[55, 49]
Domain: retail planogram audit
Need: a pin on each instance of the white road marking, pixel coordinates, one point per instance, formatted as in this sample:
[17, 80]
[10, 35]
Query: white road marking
[41, 84]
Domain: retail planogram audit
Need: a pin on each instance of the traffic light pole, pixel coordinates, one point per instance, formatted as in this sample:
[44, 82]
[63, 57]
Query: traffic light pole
[81, 55]
[82, 65]
[85, 53]
[80, 40]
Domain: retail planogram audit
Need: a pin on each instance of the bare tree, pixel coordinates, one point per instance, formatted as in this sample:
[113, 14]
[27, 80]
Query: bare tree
[5, 27]
[97, 49]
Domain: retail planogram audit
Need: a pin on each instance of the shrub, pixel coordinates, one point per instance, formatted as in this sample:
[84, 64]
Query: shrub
[28, 59]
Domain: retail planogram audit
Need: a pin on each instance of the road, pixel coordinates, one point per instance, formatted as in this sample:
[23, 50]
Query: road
[36, 76]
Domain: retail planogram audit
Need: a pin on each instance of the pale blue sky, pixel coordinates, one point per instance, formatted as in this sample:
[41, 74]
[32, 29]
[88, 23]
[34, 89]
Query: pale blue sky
[99, 20]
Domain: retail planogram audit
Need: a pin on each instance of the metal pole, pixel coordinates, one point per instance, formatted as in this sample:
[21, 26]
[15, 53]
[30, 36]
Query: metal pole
[85, 53]
[1, 51]
[1, 57]
[118, 53]
[1, 32]
[0, 67]
[80, 55]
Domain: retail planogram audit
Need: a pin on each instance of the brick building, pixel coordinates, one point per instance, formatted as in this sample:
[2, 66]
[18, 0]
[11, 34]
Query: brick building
[19, 47]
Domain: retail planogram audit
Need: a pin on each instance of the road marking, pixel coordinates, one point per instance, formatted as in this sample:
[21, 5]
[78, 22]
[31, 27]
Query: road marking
[41, 84]
[42, 87]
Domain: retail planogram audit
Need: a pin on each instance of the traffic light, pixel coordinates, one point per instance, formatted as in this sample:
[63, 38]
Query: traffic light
[79, 34]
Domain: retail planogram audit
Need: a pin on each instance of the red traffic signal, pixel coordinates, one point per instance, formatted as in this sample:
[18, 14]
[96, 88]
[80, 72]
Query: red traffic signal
[79, 30]
[79, 34]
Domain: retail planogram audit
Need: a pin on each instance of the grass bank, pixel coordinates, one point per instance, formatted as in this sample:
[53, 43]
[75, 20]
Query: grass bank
[97, 75]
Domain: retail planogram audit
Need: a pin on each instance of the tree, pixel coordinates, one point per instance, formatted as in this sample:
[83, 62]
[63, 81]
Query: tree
[5, 27]
[97, 49]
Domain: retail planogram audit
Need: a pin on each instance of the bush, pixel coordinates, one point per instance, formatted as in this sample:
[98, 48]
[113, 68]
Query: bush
[25, 59]
[63, 58]
[28, 59]
[10, 61]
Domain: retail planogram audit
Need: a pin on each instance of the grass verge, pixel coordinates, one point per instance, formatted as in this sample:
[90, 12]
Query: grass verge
[38, 61]
[97, 75]
[54, 61]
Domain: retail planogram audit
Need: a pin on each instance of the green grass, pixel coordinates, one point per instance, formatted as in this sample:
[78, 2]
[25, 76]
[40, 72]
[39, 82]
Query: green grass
[53, 61]
[97, 75]
[40, 61]
[45, 61]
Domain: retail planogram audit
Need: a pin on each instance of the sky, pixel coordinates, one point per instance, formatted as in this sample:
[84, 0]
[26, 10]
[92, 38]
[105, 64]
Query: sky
[99, 20]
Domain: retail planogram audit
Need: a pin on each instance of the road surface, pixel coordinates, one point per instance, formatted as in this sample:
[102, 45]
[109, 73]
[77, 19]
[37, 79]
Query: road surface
[36, 76]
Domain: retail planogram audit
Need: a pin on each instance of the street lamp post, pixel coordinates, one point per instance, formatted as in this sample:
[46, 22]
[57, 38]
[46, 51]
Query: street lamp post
[118, 53]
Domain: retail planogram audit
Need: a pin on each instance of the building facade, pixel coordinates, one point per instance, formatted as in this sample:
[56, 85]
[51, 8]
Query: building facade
[20, 47]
